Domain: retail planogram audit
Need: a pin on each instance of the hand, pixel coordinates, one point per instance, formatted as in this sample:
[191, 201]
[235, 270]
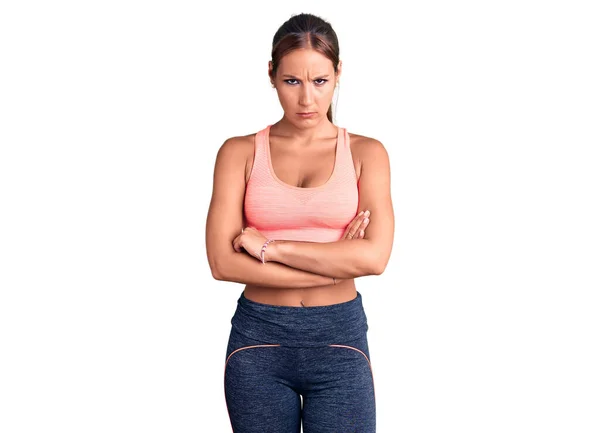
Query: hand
[356, 228]
[250, 240]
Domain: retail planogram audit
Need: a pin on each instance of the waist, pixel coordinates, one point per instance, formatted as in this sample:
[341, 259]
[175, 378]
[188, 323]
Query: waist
[300, 326]
[344, 291]
[304, 234]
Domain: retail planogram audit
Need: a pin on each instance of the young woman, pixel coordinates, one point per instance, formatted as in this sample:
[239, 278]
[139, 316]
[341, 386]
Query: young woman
[288, 219]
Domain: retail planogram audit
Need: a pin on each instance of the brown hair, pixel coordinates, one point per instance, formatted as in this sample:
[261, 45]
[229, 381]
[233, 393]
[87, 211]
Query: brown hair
[306, 31]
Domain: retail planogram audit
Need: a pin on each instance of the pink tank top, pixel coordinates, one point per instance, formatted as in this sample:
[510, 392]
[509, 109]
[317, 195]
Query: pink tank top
[286, 212]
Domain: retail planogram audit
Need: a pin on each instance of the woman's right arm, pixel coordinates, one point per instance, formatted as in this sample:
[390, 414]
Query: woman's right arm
[225, 221]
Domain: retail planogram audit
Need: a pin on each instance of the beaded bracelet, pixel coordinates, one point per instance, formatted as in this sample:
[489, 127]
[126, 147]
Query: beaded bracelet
[263, 249]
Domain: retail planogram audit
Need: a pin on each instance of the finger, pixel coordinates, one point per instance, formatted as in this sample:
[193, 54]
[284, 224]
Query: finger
[355, 225]
[365, 221]
[350, 227]
[360, 233]
[345, 235]
[361, 226]
[236, 243]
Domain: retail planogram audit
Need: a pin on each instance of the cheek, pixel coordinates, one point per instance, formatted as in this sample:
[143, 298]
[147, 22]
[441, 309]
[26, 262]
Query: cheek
[286, 98]
[325, 96]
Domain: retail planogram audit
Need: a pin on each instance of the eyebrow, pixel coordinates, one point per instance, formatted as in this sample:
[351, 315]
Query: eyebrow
[316, 78]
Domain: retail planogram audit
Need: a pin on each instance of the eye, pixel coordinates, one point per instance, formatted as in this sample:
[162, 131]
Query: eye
[318, 81]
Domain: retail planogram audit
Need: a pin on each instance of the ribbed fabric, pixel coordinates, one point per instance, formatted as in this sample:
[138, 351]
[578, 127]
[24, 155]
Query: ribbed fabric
[286, 212]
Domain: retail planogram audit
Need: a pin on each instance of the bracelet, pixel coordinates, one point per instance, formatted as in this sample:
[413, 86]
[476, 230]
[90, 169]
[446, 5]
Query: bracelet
[263, 249]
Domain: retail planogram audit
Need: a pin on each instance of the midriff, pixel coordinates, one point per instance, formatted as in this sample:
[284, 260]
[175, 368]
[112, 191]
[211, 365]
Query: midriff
[330, 294]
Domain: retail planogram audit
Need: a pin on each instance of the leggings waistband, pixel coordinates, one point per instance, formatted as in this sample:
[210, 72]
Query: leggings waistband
[300, 326]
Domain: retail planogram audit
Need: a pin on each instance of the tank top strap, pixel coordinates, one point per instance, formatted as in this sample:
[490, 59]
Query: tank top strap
[260, 165]
[345, 138]
[260, 143]
[344, 143]
[346, 170]
[344, 164]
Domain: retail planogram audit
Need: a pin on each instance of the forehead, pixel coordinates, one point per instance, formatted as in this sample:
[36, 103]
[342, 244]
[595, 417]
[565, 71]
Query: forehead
[305, 60]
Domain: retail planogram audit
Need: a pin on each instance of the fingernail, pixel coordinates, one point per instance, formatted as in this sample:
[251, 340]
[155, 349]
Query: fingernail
[361, 212]
[367, 213]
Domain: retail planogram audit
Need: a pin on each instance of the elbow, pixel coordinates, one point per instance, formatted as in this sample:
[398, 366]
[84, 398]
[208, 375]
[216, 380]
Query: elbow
[372, 267]
[378, 265]
[375, 258]
[216, 275]
[378, 268]
[216, 269]
[215, 272]
[224, 269]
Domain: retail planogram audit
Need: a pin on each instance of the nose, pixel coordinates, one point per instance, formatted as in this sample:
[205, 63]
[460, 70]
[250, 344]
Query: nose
[306, 95]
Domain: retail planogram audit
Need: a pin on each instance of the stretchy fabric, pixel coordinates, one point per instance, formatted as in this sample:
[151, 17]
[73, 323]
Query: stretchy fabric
[278, 354]
[286, 212]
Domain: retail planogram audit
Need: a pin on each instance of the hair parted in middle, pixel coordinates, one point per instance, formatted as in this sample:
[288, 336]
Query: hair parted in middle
[310, 32]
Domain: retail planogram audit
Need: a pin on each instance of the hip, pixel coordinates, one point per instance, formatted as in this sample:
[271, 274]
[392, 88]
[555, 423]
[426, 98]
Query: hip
[298, 326]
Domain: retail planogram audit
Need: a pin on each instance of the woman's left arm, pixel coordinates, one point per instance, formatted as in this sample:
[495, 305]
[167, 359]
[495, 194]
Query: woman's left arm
[352, 258]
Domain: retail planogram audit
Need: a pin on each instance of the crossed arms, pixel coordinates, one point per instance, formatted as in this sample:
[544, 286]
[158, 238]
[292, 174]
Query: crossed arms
[295, 264]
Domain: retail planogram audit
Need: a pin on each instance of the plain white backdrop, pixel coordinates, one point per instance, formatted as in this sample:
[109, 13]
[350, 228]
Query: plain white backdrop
[111, 114]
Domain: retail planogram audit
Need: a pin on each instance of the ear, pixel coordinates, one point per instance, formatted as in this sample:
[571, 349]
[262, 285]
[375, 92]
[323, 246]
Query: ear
[339, 70]
[270, 69]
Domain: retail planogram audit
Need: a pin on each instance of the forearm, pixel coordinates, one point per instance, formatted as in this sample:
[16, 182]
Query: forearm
[245, 269]
[342, 259]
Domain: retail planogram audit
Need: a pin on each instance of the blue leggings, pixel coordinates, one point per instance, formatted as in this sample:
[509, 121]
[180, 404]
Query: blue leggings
[278, 354]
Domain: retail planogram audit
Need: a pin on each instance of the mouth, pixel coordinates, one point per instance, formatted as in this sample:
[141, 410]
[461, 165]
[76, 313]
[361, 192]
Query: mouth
[306, 114]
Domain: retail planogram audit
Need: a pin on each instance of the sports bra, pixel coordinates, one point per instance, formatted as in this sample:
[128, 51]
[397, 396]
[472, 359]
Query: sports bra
[286, 212]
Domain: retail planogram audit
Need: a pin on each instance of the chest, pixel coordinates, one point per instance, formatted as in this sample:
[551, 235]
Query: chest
[303, 169]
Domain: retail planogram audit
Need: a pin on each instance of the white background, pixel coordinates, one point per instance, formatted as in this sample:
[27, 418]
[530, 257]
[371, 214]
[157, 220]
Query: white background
[486, 319]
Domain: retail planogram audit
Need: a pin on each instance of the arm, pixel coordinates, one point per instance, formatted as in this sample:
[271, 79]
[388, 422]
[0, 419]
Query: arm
[359, 257]
[225, 221]
[244, 269]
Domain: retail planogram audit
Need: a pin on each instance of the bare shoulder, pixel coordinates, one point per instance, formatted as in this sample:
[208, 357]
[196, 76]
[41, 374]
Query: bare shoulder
[365, 145]
[238, 150]
[367, 150]
[238, 145]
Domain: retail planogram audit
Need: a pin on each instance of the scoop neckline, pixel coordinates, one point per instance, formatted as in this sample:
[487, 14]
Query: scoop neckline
[287, 185]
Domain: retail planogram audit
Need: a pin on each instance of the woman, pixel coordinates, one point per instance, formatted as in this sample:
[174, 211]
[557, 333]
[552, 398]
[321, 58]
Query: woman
[284, 221]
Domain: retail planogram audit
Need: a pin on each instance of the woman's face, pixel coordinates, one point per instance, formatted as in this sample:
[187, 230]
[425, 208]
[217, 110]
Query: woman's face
[305, 82]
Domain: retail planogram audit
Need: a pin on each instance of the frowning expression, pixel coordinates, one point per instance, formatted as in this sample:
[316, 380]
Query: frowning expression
[305, 81]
